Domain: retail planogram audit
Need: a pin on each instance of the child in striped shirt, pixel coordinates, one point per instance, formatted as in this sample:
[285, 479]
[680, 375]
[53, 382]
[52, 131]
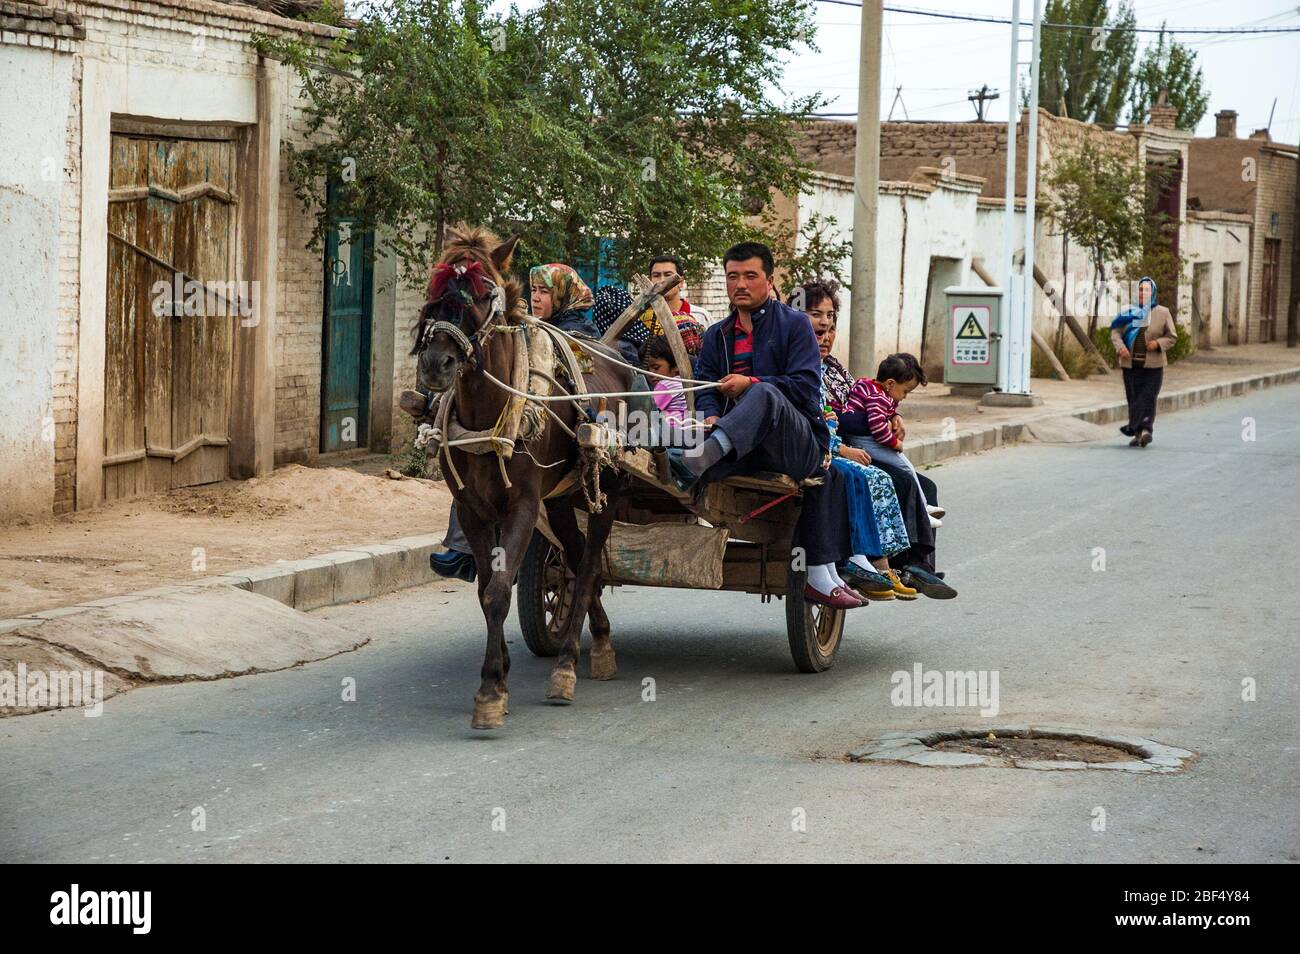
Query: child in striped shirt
[871, 414]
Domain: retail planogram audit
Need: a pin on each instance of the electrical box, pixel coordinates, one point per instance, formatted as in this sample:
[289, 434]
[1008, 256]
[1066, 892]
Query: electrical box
[970, 356]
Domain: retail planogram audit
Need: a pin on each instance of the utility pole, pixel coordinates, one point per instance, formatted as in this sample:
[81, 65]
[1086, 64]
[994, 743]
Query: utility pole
[1293, 312]
[1018, 381]
[1017, 293]
[979, 97]
[866, 183]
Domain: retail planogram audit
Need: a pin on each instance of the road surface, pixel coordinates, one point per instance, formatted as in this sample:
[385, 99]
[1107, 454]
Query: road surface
[738, 758]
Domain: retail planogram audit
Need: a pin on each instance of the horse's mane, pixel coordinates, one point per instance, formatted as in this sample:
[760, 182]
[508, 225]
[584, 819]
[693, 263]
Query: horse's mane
[476, 243]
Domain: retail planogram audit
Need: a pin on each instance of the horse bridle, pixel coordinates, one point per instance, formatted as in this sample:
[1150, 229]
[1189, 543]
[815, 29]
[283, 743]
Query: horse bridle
[468, 346]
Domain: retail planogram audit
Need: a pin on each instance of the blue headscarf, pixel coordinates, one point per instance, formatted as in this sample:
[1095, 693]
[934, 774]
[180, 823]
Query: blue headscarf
[1136, 316]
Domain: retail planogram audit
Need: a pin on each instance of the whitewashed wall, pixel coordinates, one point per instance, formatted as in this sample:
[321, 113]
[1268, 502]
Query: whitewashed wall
[32, 129]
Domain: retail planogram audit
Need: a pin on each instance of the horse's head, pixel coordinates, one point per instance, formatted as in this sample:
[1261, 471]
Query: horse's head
[468, 292]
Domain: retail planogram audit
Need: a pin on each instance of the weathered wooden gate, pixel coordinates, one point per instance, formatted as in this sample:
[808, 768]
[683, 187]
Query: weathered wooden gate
[345, 346]
[167, 368]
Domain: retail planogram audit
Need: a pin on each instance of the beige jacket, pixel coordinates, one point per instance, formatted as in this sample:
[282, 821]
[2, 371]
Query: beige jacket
[1161, 330]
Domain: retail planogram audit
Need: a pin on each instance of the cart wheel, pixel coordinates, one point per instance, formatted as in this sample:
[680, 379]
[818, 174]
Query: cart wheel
[545, 596]
[815, 631]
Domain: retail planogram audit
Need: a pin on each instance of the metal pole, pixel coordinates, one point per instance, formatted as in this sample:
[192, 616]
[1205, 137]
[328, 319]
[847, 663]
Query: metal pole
[866, 185]
[1009, 219]
[1022, 327]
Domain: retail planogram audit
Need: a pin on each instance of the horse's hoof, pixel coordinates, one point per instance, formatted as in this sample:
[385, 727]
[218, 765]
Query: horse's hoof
[489, 715]
[603, 664]
[563, 682]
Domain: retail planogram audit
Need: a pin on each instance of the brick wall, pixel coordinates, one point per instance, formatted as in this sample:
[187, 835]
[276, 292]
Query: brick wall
[69, 316]
[301, 305]
[1275, 194]
[212, 39]
[976, 149]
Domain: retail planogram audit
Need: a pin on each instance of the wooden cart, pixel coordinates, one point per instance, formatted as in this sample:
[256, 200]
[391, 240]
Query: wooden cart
[737, 535]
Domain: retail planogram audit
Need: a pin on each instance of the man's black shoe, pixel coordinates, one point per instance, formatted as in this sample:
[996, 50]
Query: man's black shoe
[927, 583]
[1127, 430]
[454, 564]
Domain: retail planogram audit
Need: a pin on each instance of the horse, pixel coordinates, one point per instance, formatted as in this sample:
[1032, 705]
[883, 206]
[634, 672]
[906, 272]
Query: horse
[471, 313]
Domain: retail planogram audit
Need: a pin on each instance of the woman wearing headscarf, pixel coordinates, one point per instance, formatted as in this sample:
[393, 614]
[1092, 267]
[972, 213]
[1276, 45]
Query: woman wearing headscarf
[1142, 334]
[612, 301]
[559, 295]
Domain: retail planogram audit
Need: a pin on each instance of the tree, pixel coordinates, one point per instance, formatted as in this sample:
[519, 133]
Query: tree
[815, 251]
[1171, 66]
[654, 121]
[1087, 73]
[1097, 197]
[676, 99]
[412, 112]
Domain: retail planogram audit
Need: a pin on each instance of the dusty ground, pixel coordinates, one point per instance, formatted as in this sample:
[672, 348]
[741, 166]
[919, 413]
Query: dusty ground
[300, 511]
[293, 513]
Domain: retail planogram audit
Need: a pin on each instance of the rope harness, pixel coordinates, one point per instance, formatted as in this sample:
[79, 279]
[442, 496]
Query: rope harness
[540, 349]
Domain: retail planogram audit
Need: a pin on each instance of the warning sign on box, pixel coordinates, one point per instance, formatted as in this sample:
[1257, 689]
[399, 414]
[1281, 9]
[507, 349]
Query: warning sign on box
[970, 334]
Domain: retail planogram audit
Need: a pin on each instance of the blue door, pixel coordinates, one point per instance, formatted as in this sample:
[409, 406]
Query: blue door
[345, 351]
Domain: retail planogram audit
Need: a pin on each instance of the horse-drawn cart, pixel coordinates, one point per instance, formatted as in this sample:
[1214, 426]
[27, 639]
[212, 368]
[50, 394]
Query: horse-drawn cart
[736, 534]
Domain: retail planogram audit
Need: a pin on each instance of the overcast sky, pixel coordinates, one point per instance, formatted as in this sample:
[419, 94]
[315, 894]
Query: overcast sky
[938, 62]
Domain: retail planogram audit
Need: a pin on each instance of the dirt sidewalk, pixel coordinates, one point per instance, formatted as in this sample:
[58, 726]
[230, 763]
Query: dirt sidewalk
[299, 511]
[185, 534]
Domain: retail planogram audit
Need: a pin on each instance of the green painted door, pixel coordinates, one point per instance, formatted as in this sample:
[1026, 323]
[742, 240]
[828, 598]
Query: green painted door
[345, 353]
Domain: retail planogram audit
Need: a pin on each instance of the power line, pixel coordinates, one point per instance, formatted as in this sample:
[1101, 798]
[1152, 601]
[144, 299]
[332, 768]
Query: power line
[945, 15]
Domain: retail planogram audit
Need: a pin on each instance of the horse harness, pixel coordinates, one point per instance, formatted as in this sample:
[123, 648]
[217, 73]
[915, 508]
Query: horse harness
[536, 370]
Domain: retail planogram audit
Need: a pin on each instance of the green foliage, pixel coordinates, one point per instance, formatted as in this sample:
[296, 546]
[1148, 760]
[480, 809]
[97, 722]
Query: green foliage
[1169, 65]
[414, 461]
[651, 120]
[1090, 71]
[1078, 365]
[1183, 346]
[1098, 200]
[821, 255]
[1155, 256]
[1101, 338]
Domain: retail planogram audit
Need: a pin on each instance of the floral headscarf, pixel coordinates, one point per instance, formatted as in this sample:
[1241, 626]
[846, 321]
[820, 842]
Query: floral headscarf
[568, 291]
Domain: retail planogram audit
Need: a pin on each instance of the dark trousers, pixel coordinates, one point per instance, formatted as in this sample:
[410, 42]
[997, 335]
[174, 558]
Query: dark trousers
[920, 534]
[1142, 390]
[768, 433]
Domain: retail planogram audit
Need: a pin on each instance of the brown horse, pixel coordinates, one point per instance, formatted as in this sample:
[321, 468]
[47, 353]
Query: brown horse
[463, 335]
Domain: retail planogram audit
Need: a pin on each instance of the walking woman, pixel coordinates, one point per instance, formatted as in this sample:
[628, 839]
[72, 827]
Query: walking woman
[1142, 333]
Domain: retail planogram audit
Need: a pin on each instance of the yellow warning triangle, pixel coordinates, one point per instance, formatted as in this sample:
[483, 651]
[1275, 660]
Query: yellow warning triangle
[971, 328]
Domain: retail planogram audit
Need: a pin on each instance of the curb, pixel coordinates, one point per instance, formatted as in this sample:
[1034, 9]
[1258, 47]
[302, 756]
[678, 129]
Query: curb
[931, 450]
[362, 572]
[329, 579]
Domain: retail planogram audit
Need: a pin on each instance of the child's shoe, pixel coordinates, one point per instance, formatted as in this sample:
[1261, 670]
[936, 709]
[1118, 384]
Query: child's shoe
[901, 590]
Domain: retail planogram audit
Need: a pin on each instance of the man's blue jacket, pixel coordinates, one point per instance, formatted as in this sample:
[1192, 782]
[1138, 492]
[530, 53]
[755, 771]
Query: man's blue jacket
[785, 356]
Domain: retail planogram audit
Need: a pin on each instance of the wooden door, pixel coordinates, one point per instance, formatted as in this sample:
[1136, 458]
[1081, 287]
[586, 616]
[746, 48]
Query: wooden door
[1268, 303]
[1202, 317]
[345, 349]
[1232, 302]
[167, 369]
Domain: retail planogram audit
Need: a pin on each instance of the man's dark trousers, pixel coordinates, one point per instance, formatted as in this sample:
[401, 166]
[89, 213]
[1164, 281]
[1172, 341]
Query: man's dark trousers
[767, 433]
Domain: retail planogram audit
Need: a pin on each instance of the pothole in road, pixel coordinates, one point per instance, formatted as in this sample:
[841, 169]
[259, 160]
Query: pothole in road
[1044, 748]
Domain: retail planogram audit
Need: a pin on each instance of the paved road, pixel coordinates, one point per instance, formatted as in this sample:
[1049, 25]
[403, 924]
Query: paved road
[1202, 560]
